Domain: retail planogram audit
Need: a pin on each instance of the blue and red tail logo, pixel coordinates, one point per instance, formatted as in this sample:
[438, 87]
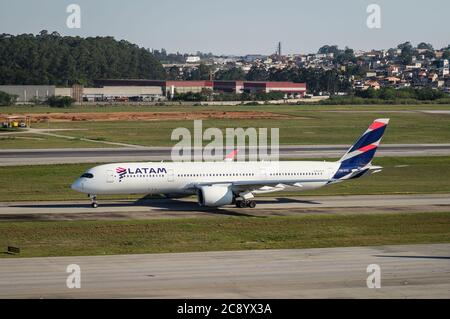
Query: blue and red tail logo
[363, 151]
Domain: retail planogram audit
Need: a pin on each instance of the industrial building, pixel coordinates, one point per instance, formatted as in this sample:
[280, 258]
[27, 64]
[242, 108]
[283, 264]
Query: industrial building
[33, 93]
[291, 89]
[169, 88]
[126, 93]
[229, 86]
[126, 90]
[29, 93]
[112, 93]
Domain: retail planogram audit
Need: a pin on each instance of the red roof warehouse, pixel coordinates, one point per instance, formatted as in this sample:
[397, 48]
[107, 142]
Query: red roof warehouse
[286, 87]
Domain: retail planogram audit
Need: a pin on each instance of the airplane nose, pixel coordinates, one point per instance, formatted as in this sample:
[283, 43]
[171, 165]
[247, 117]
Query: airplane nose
[77, 185]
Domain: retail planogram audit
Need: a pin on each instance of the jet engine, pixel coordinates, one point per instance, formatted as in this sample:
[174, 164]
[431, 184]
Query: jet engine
[215, 195]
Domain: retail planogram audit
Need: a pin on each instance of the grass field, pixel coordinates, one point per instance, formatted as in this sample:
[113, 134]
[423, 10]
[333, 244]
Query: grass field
[414, 175]
[307, 125]
[22, 141]
[80, 238]
[269, 108]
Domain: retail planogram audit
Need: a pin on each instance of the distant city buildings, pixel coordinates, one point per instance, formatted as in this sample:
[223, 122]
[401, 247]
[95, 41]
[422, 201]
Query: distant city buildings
[420, 67]
[331, 71]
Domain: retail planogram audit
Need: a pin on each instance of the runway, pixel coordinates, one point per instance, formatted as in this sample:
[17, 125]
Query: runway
[407, 271]
[11, 157]
[182, 208]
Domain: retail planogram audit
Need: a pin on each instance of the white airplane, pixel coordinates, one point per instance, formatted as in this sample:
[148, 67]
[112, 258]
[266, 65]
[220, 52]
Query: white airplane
[224, 183]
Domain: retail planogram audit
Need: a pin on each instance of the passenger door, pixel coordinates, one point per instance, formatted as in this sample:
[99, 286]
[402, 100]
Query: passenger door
[110, 176]
[170, 175]
[263, 173]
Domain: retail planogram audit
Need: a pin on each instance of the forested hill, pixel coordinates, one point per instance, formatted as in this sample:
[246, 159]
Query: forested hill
[53, 59]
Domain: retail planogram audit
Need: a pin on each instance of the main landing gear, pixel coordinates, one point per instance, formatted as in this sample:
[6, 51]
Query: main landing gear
[93, 198]
[242, 203]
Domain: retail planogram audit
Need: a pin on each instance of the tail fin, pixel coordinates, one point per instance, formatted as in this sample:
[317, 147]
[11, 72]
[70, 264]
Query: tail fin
[363, 151]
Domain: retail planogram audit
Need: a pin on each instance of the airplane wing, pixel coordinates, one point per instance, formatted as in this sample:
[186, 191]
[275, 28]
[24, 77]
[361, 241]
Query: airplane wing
[256, 187]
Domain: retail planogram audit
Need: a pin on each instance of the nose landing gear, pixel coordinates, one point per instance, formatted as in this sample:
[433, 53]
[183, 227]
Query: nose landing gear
[93, 198]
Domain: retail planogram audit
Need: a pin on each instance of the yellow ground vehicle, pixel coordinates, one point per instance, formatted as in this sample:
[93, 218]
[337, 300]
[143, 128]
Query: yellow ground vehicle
[15, 121]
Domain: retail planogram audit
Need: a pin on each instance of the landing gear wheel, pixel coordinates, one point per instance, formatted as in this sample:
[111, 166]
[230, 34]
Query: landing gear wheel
[240, 204]
[93, 201]
[251, 204]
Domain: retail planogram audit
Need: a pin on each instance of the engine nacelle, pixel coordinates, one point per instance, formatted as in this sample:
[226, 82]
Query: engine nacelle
[215, 195]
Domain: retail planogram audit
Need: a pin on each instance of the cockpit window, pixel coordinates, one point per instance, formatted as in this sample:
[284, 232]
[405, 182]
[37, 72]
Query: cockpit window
[87, 175]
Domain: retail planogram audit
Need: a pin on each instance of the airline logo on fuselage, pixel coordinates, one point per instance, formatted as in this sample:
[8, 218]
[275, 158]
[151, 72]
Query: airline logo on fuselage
[122, 171]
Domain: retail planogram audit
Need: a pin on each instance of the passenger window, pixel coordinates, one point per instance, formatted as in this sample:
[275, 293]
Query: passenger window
[87, 175]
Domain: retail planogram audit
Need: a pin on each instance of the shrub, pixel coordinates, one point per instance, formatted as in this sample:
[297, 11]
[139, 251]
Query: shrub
[7, 99]
[388, 94]
[189, 96]
[445, 100]
[60, 101]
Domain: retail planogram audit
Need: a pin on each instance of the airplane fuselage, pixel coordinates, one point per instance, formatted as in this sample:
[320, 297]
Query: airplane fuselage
[182, 178]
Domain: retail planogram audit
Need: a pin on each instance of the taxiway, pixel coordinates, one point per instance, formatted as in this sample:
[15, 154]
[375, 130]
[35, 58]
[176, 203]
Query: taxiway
[407, 271]
[188, 207]
[10, 157]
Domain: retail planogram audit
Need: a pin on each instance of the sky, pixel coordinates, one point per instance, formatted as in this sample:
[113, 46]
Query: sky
[238, 27]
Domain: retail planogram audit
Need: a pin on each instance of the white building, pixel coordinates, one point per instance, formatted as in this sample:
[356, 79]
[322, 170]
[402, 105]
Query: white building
[193, 59]
[29, 93]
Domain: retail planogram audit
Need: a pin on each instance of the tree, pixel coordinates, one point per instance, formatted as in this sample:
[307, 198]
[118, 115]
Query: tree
[387, 93]
[282, 74]
[174, 73]
[202, 72]
[370, 93]
[329, 81]
[326, 49]
[446, 54]
[429, 54]
[7, 99]
[60, 101]
[189, 96]
[404, 45]
[49, 58]
[312, 79]
[406, 52]
[257, 73]
[345, 56]
[425, 46]
[406, 93]
[427, 94]
[232, 74]
[355, 70]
